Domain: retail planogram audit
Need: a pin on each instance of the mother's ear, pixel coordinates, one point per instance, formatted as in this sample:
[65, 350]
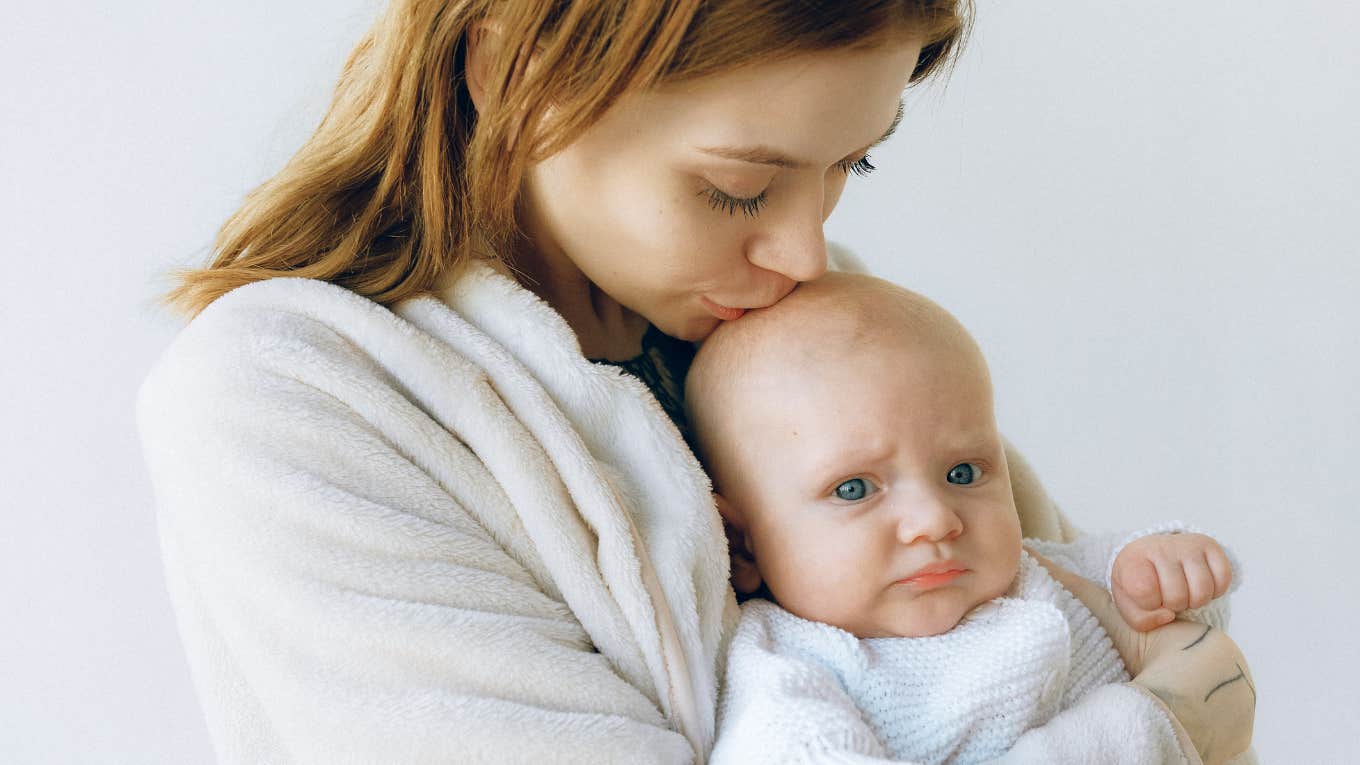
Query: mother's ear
[740, 551]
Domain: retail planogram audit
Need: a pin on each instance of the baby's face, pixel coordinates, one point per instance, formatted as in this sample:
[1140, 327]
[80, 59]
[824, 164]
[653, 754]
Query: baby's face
[859, 469]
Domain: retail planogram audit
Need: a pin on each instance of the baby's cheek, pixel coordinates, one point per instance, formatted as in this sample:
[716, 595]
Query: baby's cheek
[997, 575]
[1001, 584]
[826, 594]
[812, 600]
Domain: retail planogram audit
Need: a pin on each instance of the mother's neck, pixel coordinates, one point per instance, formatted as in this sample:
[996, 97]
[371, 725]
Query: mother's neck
[605, 329]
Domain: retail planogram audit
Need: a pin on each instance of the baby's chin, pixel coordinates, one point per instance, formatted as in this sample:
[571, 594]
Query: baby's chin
[922, 627]
[913, 625]
[924, 630]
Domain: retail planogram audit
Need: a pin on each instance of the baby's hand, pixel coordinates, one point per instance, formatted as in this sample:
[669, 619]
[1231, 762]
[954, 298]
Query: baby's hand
[1156, 577]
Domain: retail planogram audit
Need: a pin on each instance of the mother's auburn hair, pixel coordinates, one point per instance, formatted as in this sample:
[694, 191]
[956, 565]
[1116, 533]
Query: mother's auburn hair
[402, 174]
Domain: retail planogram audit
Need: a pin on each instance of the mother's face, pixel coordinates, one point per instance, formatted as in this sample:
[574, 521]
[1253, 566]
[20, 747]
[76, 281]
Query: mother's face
[695, 198]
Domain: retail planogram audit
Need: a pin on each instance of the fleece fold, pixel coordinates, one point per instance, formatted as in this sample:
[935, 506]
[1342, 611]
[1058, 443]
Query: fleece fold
[430, 534]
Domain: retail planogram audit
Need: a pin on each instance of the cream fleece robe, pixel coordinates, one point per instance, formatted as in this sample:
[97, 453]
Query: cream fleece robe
[434, 535]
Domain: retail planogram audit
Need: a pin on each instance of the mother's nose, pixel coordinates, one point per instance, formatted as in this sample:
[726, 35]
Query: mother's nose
[791, 244]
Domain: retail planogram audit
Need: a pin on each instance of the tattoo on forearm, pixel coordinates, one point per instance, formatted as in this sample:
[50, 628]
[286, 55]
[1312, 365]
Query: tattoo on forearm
[1247, 680]
[1201, 637]
[1167, 697]
[1204, 723]
[1171, 698]
[1240, 676]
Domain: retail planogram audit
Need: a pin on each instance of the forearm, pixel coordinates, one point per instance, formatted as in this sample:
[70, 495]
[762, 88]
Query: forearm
[1201, 676]
[1196, 671]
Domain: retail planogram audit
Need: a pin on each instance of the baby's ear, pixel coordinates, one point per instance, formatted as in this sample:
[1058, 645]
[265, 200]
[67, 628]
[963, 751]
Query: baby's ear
[745, 575]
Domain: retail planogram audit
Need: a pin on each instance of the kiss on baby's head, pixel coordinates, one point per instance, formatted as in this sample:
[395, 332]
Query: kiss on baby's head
[850, 436]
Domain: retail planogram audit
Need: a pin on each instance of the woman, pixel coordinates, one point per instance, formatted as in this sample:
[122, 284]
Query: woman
[419, 505]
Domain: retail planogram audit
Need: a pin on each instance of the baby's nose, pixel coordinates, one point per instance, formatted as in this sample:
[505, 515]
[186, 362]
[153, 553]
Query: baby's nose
[930, 520]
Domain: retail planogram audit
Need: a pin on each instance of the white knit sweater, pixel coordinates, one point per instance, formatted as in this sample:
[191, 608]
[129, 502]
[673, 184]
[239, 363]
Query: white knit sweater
[966, 696]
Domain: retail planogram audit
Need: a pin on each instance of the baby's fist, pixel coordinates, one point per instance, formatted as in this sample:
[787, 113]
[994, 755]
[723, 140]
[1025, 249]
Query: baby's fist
[1156, 577]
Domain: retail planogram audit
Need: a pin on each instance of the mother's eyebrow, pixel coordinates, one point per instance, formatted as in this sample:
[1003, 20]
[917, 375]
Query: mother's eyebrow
[764, 155]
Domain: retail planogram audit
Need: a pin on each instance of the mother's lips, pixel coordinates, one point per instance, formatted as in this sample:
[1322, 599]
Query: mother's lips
[721, 311]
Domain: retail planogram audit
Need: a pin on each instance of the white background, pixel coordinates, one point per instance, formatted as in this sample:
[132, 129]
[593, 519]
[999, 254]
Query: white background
[1145, 211]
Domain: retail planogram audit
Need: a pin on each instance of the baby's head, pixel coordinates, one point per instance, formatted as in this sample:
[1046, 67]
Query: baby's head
[850, 436]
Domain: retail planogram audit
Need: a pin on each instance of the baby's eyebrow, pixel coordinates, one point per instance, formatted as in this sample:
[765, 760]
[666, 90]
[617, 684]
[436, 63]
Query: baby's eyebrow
[972, 444]
[845, 462]
[765, 155]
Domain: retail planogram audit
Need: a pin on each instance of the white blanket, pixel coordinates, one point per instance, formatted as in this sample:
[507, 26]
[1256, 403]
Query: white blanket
[417, 537]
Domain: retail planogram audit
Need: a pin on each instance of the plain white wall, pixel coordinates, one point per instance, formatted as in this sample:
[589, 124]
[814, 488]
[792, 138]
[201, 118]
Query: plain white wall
[1146, 212]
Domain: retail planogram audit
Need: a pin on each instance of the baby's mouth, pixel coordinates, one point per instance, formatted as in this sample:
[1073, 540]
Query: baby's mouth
[932, 579]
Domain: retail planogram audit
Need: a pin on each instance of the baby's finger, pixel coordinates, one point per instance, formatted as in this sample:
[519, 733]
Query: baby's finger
[1221, 568]
[1139, 581]
[1139, 618]
[1200, 579]
[1175, 590]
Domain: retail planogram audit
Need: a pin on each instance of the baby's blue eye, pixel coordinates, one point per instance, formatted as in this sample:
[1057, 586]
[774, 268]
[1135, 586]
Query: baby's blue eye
[854, 489]
[964, 473]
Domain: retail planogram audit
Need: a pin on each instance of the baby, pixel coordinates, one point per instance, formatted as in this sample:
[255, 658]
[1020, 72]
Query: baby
[850, 434]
